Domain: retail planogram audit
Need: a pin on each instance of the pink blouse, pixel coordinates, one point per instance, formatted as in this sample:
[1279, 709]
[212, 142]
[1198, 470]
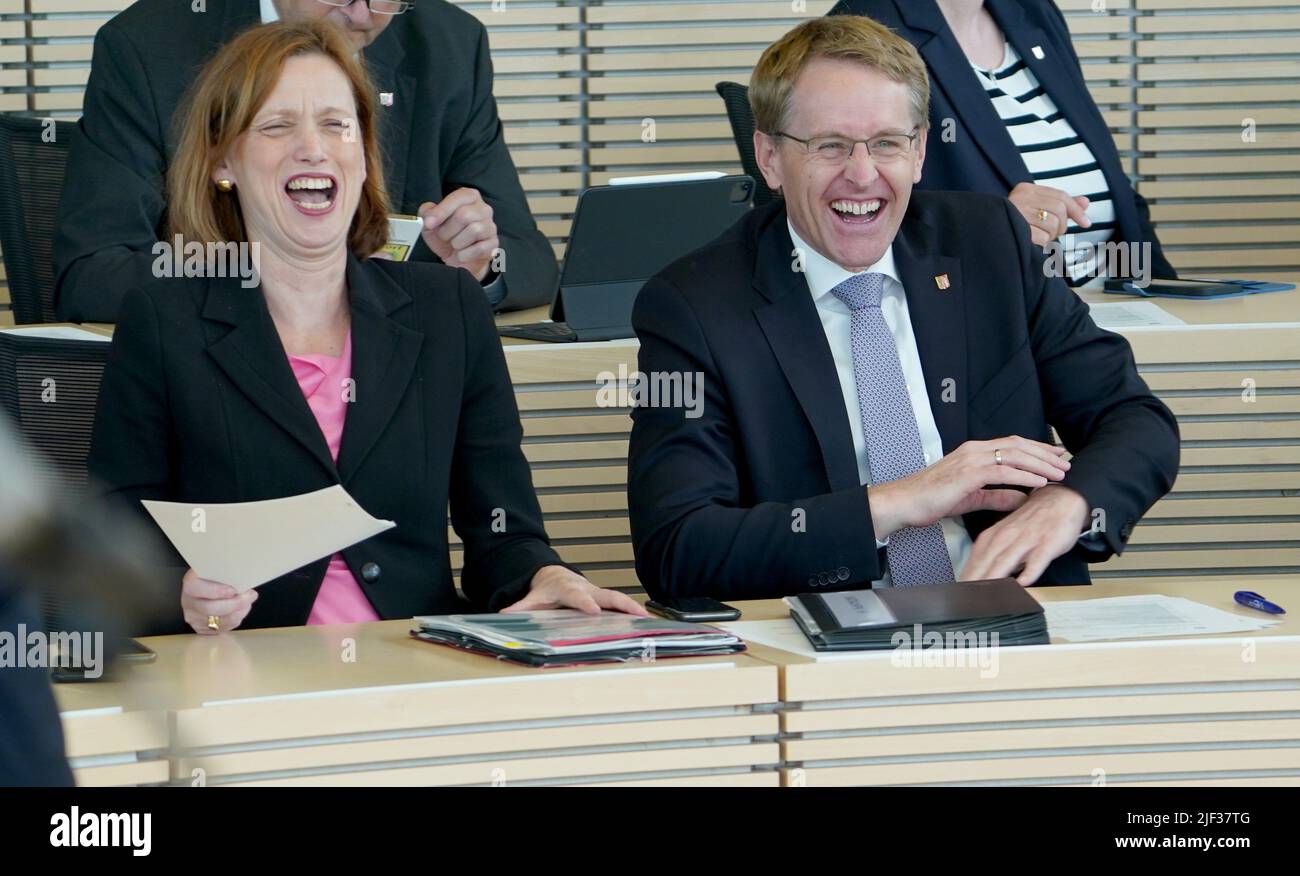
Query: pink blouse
[321, 378]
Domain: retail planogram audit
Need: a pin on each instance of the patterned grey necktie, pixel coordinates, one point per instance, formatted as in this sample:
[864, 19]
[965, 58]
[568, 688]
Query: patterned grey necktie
[917, 555]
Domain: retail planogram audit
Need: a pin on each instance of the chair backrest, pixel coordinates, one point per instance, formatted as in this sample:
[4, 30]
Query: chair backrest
[33, 153]
[736, 98]
[49, 387]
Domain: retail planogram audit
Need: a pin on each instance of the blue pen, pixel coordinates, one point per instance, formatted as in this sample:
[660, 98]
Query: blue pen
[1250, 599]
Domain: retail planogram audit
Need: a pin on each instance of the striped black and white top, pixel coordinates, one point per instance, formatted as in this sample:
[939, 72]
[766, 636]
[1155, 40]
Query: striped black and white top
[1056, 156]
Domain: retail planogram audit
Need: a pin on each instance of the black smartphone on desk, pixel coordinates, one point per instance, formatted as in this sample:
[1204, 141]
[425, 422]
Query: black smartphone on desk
[128, 651]
[694, 609]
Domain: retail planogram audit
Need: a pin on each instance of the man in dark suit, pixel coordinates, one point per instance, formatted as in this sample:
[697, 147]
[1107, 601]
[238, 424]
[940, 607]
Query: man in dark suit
[975, 152]
[879, 367]
[445, 156]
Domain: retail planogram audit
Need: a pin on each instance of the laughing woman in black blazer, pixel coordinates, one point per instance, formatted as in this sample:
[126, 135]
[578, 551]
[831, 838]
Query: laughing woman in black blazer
[1010, 114]
[387, 378]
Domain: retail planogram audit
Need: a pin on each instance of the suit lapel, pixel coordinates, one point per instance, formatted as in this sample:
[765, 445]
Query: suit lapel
[938, 317]
[788, 318]
[254, 359]
[385, 354]
[950, 69]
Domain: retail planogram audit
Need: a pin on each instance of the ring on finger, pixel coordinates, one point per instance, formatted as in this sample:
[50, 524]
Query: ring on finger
[214, 622]
[997, 457]
[1042, 215]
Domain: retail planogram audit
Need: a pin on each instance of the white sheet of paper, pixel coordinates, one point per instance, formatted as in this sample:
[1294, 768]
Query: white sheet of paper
[1142, 616]
[246, 544]
[1131, 314]
[56, 333]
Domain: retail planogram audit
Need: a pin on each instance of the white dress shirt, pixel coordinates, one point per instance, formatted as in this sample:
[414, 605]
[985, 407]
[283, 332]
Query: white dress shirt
[269, 13]
[823, 275]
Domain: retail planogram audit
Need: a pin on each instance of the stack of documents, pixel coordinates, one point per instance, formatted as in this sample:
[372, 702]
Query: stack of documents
[965, 614]
[563, 637]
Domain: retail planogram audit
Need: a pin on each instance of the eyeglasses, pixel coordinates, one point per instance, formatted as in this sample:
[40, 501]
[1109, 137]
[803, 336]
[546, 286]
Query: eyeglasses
[379, 7]
[837, 150]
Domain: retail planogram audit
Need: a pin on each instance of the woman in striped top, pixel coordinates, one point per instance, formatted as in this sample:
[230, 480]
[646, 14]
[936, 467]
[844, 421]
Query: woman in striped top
[1011, 114]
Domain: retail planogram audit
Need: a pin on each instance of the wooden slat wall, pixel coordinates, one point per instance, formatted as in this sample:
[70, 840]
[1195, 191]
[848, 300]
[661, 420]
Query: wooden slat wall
[577, 81]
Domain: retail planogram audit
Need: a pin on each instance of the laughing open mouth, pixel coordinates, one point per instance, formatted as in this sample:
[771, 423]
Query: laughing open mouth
[857, 212]
[311, 193]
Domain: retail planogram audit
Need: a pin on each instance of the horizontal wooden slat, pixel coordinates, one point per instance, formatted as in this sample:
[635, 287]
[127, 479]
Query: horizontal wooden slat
[1041, 738]
[1220, 558]
[1225, 24]
[1056, 708]
[148, 772]
[1213, 533]
[1167, 95]
[1224, 481]
[1234, 378]
[754, 10]
[1081, 767]
[540, 769]
[1168, 48]
[1234, 404]
[686, 36]
[1237, 506]
[1204, 70]
[495, 742]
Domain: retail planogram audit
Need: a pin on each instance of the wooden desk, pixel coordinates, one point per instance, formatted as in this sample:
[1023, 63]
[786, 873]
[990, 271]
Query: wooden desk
[1219, 710]
[288, 707]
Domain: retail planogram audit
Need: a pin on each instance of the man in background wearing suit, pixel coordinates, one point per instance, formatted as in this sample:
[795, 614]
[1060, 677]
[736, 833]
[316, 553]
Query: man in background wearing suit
[445, 157]
[879, 367]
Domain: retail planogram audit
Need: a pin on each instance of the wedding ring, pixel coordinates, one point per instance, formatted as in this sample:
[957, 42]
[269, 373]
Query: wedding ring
[214, 622]
[997, 460]
[1042, 215]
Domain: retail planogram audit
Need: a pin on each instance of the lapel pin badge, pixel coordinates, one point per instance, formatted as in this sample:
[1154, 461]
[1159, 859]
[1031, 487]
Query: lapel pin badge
[941, 281]
[1038, 52]
[386, 98]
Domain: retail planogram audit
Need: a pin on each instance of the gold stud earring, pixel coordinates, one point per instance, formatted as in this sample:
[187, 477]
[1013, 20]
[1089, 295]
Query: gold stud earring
[225, 185]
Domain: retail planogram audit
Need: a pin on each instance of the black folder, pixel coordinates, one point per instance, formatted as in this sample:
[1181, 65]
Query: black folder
[955, 615]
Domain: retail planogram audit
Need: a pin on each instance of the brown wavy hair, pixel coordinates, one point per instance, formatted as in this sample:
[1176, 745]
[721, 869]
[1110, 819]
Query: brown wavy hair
[221, 105]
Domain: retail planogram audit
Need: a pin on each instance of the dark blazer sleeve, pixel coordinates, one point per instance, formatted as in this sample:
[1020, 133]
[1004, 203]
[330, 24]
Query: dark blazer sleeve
[112, 202]
[131, 451]
[493, 506]
[482, 161]
[1123, 440]
[691, 531]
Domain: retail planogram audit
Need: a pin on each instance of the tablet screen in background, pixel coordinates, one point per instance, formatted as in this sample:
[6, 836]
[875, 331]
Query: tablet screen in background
[631, 232]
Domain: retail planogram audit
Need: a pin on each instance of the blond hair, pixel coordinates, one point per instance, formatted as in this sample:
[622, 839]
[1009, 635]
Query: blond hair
[221, 105]
[848, 37]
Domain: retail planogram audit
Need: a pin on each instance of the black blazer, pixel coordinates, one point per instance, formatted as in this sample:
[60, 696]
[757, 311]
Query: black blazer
[199, 403]
[442, 132]
[715, 501]
[980, 156]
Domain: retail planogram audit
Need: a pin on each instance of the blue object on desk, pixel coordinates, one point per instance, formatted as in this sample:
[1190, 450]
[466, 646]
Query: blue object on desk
[1243, 287]
[1250, 599]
